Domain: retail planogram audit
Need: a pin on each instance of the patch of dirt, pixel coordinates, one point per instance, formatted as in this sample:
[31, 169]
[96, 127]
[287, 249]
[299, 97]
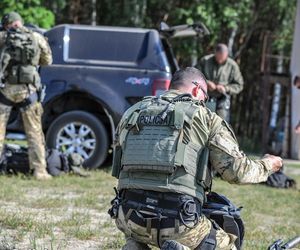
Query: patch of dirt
[36, 193]
[16, 239]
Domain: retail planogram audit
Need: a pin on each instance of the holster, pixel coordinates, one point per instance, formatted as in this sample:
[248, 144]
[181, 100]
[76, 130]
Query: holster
[113, 211]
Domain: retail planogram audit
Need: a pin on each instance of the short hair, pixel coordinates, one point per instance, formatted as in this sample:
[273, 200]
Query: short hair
[185, 77]
[221, 47]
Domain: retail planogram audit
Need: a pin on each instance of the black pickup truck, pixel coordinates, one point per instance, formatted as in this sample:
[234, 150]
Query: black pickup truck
[97, 73]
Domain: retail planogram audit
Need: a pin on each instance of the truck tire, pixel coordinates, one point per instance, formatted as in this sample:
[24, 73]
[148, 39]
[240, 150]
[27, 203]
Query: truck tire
[79, 132]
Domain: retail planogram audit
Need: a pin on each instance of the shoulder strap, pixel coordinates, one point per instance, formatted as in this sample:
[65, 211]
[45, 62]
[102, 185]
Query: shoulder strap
[184, 112]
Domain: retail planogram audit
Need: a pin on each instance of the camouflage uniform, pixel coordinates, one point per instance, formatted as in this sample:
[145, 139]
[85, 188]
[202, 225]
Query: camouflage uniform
[32, 114]
[226, 158]
[227, 74]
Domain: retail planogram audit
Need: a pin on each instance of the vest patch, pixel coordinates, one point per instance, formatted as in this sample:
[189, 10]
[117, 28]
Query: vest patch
[153, 120]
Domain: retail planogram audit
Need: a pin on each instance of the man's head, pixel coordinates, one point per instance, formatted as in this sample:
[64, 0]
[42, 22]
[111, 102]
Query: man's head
[190, 80]
[221, 53]
[297, 82]
[12, 20]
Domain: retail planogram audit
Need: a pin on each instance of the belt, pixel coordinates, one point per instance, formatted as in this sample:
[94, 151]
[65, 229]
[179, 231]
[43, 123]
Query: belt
[150, 209]
[32, 98]
[164, 200]
[168, 209]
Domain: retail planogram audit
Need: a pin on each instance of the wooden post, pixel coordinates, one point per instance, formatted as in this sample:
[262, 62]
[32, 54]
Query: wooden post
[265, 97]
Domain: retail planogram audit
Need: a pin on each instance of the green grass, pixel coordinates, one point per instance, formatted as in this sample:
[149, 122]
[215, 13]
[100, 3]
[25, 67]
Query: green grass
[70, 212]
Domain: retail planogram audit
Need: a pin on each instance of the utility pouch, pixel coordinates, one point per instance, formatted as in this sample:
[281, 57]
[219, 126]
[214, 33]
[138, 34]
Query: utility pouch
[41, 92]
[113, 211]
[204, 176]
[22, 74]
[116, 166]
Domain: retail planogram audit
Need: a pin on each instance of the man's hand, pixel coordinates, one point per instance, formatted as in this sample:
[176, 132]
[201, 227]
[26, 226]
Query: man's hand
[211, 86]
[275, 161]
[221, 89]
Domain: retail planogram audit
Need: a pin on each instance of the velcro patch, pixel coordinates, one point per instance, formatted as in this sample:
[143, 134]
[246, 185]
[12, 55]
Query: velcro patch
[153, 120]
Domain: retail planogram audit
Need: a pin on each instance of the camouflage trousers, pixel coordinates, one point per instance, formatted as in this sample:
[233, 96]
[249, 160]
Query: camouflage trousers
[31, 117]
[138, 237]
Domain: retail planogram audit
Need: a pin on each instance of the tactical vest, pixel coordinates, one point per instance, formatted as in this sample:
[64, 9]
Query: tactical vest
[156, 153]
[20, 57]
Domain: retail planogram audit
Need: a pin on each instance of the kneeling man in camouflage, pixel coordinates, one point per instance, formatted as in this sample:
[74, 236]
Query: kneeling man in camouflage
[163, 178]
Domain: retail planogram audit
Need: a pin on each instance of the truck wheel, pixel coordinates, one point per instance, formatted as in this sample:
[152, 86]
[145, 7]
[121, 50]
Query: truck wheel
[79, 132]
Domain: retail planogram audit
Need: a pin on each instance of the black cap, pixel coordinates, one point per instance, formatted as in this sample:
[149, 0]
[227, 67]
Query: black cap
[10, 17]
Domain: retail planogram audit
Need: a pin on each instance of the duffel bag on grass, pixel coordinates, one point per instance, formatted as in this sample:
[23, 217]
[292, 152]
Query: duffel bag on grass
[14, 160]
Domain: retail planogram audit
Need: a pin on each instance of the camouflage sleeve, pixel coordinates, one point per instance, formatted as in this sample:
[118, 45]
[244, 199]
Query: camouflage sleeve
[227, 159]
[2, 39]
[236, 84]
[46, 54]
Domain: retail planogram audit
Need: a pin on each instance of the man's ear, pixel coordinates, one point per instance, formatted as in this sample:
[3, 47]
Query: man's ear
[195, 91]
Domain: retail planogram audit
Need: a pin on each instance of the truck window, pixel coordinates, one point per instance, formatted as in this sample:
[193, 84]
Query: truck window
[97, 46]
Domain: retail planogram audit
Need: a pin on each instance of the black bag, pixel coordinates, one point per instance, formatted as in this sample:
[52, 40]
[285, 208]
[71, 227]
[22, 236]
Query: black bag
[280, 180]
[14, 160]
[221, 210]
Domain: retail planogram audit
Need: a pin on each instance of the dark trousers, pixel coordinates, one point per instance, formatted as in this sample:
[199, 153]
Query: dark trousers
[224, 113]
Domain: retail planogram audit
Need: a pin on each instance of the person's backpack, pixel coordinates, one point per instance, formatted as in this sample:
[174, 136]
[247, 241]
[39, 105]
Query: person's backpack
[280, 180]
[221, 210]
[21, 53]
[57, 163]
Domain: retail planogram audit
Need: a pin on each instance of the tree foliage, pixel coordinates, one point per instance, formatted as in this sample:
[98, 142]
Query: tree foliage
[240, 24]
[31, 11]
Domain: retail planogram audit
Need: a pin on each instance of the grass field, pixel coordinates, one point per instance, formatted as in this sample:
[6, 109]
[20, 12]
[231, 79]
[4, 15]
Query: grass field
[71, 212]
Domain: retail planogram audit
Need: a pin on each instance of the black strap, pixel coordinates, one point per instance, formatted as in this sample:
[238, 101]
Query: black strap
[158, 229]
[230, 226]
[33, 98]
[20, 105]
[210, 241]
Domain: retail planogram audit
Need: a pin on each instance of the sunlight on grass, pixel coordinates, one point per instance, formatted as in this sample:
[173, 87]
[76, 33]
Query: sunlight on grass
[72, 210]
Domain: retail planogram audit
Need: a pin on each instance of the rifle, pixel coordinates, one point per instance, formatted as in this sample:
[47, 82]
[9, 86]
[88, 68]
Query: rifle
[279, 245]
